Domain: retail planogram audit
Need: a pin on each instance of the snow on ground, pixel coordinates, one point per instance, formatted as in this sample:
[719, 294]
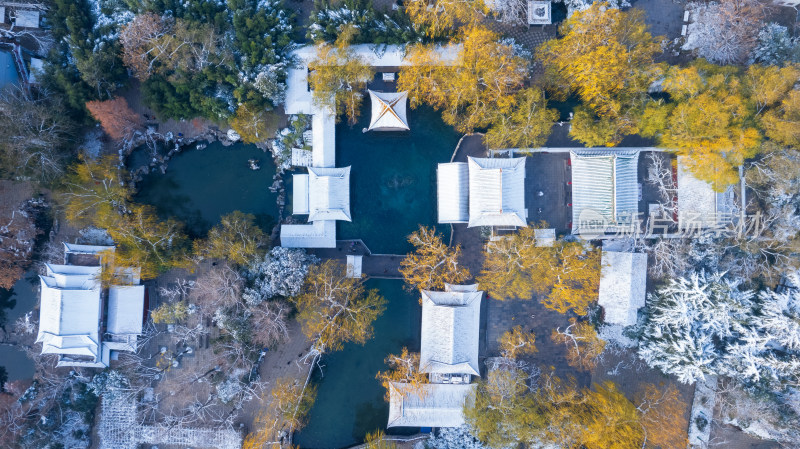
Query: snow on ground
[705, 398]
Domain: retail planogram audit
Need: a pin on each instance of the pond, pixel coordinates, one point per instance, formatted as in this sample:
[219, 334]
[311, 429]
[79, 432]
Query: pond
[393, 178]
[8, 69]
[14, 303]
[349, 398]
[200, 186]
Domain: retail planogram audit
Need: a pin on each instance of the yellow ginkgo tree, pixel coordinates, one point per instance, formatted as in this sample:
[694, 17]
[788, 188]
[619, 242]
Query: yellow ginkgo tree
[606, 57]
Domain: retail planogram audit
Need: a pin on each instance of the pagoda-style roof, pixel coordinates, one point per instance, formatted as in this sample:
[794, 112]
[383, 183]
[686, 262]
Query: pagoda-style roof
[388, 111]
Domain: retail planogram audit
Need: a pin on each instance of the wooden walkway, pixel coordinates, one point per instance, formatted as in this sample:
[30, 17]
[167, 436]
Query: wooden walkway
[382, 266]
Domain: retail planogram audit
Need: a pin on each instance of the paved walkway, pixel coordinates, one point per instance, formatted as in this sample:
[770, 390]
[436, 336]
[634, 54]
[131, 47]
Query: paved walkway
[529, 37]
[548, 193]
[664, 17]
[385, 266]
[470, 239]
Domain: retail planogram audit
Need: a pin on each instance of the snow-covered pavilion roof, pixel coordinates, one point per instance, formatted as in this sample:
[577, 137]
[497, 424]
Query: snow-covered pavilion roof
[329, 193]
[436, 405]
[125, 309]
[604, 187]
[452, 192]
[623, 278]
[75, 248]
[319, 234]
[539, 13]
[300, 194]
[497, 192]
[27, 18]
[388, 111]
[323, 139]
[69, 315]
[450, 327]
[298, 95]
[699, 206]
[72, 276]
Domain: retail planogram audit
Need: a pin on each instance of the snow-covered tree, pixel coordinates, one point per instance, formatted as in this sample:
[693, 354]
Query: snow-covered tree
[768, 416]
[781, 315]
[775, 46]
[452, 438]
[512, 12]
[690, 323]
[268, 83]
[281, 273]
[582, 5]
[769, 351]
[724, 32]
[706, 324]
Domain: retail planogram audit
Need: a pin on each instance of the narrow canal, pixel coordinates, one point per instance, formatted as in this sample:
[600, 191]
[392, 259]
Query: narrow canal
[350, 400]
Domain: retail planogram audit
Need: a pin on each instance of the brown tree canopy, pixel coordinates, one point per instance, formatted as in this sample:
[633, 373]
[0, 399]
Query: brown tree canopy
[287, 408]
[509, 409]
[440, 17]
[34, 131]
[254, 124]
[583, 345]
[97, 194]
[17, 233]
[115, 116]
[517, 342]
[154, 44]
[664, 418]
[403, 368]
[236, 239]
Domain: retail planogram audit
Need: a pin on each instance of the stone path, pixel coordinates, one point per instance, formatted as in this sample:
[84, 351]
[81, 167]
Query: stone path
[529, 37]
[664, 17]
[470, 239]
[383, 266]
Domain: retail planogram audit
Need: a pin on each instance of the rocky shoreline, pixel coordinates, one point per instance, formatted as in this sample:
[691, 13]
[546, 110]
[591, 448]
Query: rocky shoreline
[160, 161]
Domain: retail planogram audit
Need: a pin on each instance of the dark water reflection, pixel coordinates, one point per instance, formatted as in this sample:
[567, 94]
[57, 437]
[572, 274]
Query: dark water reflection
[15, 303]
[202, 185]
[349, 398]
[393, 179]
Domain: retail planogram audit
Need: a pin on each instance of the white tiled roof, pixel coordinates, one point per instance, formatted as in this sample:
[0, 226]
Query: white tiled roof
[604, 186]
[319, 234]
[497, 192]
[69, 317]
[437, 405]
[329, 193]
[699, 206]
[450, 328]
[452, 192]
[300, 194]
[125, 309]
[623, 278]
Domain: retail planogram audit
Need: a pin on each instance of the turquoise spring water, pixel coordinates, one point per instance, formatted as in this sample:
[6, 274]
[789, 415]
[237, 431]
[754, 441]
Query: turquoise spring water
[8, 70]
[349, 398]
[393, 178]
[202, 185]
